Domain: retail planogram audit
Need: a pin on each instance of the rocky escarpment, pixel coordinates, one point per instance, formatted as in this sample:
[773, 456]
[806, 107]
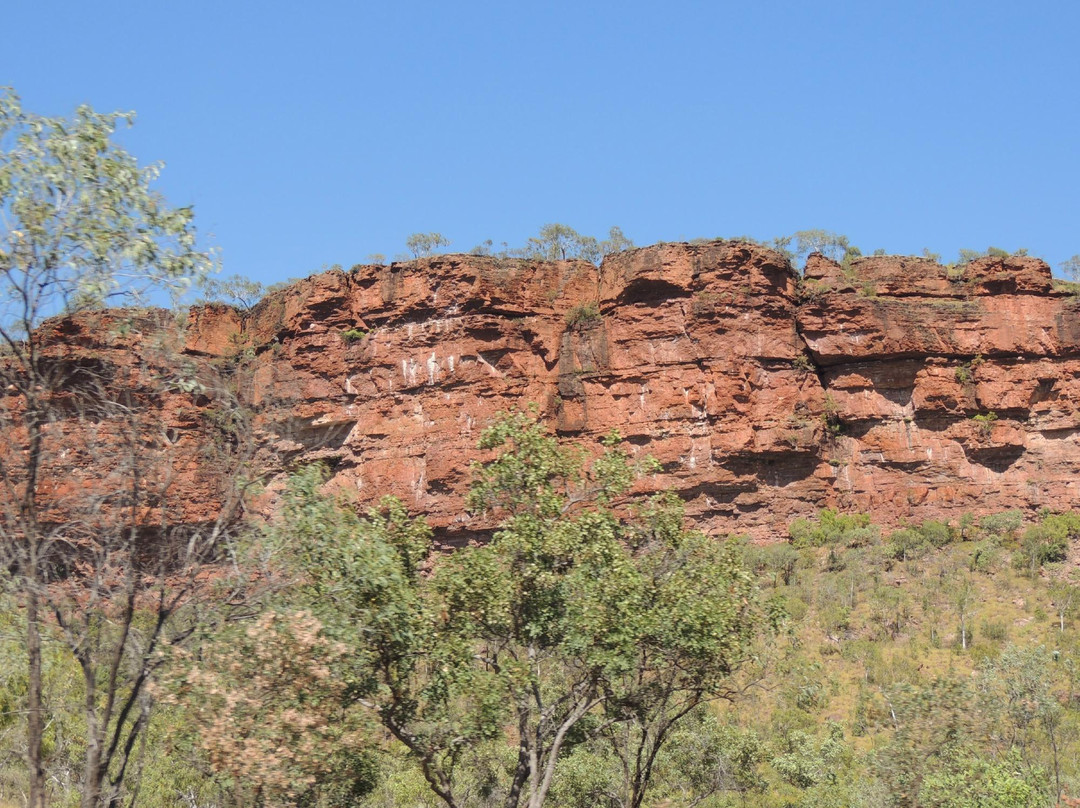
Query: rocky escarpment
[894, 385]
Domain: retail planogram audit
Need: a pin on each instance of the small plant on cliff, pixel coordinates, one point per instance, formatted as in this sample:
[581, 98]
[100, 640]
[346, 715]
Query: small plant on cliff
[583, 315]
[965, 373]
[810, 290]
[353, 334]
[985, 422]
[831, 416]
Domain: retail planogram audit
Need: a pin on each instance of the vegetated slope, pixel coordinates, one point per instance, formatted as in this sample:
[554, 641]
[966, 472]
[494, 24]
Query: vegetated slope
[893, 385]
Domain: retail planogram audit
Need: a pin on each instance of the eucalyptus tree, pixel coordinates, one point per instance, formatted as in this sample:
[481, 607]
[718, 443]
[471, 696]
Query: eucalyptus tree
[581, 615]
[424, 244]
[90, 544]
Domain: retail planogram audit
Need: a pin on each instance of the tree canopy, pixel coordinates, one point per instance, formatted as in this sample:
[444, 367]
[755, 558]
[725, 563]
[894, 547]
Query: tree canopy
[578, 619]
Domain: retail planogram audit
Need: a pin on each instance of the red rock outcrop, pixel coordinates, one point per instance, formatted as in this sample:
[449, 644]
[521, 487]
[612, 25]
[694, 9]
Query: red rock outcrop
[763, 395]
[894, 385]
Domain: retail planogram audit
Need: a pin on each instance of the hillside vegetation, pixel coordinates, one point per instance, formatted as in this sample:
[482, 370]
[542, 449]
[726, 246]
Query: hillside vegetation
[936, 665]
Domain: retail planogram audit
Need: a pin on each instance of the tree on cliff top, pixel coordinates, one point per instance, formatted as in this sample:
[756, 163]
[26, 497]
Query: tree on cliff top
[799, 245]
[90, 540]
[559, 242]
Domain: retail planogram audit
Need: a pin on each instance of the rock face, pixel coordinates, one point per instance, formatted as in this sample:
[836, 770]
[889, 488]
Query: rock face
[895, 386]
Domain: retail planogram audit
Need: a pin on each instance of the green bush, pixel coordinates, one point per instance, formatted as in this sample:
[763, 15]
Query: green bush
[1048, 541]
[1001, 526]
[582, 315]
[985, 422]
[832, 528]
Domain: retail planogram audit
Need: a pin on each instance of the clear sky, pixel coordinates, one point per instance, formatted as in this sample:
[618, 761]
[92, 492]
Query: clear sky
[315, 133]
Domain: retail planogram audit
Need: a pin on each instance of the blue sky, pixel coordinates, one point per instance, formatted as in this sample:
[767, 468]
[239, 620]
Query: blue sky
[315, 133]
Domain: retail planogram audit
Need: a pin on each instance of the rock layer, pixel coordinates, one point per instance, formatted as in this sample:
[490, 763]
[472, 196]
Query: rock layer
[894, 385]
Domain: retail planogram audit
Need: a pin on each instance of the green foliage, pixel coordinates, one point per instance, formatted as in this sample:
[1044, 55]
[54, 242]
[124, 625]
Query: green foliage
[832, 528]
[425, 244]
[81, 229]
[965, 372]
[234, 290]
[1001, 526]
[985, 422]
[353, 334]
[582, 315]
[569, 605]
[805, 761]
[82, 226]
[799, 245]
[1048, 541]
[1070, 268]
[617, 241]
[966, 780]
[558, 242]
[967, 256]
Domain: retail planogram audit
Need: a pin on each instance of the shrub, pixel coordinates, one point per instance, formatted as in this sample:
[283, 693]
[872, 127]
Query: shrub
[353, 334]
[985, 422]
[906, 544]
[995, 631]
[1048, 541]
[583, 315]
[965, 373]
[937, 533]
[1001, 526]
[832, 528]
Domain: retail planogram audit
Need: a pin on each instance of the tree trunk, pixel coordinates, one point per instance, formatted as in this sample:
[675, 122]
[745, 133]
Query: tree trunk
[35, 720]
[92, 776]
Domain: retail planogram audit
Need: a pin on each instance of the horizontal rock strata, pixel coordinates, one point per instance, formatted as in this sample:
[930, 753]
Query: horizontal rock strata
[893, 385]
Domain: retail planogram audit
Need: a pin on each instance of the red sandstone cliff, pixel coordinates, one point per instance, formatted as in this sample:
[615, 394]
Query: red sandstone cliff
[763, 397]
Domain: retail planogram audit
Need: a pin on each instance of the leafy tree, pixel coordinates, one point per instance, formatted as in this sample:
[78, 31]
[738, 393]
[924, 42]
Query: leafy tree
[689, 641]
[967, 780]
[967, 256]
[1019, 690]
[558, 242]
[931, 724]
[82, 228]
[962, 594]
[571, 622]
[832, 528]
[799, 245]
[235, 290]
[424, 244]
[1048, 541]
[615, 242]
[1070, 268]
[268, 712]
[1002, 526]
[1064, 592]
[907, 543]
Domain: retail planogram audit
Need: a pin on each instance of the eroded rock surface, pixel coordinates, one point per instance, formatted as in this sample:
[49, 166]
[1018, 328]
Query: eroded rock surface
[764, 396]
